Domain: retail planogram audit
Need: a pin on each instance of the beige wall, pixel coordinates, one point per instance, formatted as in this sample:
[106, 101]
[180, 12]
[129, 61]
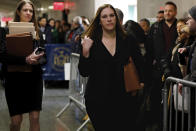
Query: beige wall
[149, 8]
[83, 8]
[121, 5]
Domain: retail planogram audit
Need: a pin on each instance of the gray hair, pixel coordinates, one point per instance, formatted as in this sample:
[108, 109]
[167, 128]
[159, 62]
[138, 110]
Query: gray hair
[77, 20]
[120, 14]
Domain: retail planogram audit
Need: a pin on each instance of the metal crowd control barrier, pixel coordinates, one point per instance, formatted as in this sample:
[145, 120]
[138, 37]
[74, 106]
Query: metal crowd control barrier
[77, 86]
[171, 102]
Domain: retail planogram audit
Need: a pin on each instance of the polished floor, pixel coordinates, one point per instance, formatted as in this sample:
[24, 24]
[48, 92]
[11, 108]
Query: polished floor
[54, 99]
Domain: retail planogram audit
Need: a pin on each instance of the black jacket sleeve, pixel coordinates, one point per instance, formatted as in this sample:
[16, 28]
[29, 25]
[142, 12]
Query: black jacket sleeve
[41, 43]
[161, 56]
[85, 65]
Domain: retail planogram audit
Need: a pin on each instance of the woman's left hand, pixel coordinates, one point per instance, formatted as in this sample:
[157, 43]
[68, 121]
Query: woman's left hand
[33, 58]
[142, 85]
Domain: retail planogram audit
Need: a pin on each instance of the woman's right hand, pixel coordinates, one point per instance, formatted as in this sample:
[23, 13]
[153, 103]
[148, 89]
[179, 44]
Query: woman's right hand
[86, 44]
[181, 50]
[33, 58]
[180, 88]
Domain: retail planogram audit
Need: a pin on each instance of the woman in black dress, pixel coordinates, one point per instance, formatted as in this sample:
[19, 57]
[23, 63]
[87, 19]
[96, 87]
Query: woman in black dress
[23, 90]
[105, 51]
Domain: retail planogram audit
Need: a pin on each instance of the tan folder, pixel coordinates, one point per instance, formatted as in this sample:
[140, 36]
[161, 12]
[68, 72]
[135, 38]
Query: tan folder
[21, 27]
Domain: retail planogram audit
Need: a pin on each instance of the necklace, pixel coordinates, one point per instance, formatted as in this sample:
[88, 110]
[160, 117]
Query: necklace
[110, 45]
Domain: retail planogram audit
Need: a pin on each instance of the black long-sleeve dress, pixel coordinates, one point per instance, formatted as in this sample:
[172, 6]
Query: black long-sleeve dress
[108, 105]
[23, 90]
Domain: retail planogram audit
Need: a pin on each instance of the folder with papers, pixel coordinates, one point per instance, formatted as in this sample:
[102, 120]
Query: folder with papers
[19, 45]
[22, 27]
[19, 42]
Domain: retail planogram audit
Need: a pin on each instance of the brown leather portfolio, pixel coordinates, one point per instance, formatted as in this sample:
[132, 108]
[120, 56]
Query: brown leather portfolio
[131, 77]
[19, 44]
[19, 68]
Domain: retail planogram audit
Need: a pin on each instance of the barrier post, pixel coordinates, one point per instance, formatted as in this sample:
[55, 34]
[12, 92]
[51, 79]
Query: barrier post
[187, 84]
[165, 109]
[77, 86]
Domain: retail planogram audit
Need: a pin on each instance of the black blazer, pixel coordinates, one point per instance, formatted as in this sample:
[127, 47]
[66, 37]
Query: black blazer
[106, 72]
[160, 55]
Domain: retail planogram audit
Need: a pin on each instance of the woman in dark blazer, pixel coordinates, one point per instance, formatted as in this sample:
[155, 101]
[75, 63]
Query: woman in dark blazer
[105, 51]
[23, 89]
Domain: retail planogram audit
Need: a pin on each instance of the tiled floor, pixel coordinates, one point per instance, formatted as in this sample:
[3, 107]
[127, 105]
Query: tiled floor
[54, 100]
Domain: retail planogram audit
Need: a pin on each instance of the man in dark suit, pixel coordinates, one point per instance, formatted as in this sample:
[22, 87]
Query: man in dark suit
[163, 35]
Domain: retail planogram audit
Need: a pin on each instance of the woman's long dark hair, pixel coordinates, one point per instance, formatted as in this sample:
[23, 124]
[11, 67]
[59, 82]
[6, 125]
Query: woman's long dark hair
[18, 10]
[134, 29]
[95, 30]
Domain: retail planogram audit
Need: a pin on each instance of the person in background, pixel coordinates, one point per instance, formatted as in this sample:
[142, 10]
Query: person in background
[120, 15]
[179, 62]
[105, 51]
[62, 22]
[51, 23]
[71, 36]
[134, 29]
[61, 36]
[45, 30]
[76, 29]
[160, 15]
[163, 35]
[65, 15]
[24, 90]
[190, 51]
[66, 28]
[145, 24]
[179, 65]
[85, 22]
[55, 33]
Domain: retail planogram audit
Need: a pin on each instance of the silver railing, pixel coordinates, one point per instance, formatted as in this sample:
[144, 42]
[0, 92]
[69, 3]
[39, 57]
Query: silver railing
[77, 86]
[179, 108]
